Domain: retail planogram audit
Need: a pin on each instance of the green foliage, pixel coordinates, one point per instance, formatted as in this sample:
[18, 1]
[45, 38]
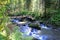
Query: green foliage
[17, 35]
[47, 3]
[52, 19]
[55, 19]
[3, 19]
[2, 37]
[2, 16]
[2, 12]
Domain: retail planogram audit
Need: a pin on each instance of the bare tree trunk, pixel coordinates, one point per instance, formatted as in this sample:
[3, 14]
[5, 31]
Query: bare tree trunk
[21, 5]
[33, 5]
[42, 7]
[37, 6]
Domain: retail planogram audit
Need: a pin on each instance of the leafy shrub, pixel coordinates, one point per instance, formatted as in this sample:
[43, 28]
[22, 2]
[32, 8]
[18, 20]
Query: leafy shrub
[55, 19]
[52, 19]
[2, 37]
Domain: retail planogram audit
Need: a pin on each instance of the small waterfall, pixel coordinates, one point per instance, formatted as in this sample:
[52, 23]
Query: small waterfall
[27, 31]
[46, 33]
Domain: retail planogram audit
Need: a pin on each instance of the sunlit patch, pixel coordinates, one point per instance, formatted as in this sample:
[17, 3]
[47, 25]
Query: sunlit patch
[3, 33]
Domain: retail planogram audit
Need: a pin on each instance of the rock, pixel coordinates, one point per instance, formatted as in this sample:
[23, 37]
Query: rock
[30, 19]
[22, 23]
[36, 26]
[11, 27]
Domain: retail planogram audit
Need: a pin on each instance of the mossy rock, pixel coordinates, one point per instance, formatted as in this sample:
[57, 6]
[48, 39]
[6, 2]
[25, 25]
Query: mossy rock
[33, 25]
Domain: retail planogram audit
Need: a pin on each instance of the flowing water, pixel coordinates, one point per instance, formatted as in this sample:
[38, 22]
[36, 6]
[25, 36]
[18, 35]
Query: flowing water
[46, 33]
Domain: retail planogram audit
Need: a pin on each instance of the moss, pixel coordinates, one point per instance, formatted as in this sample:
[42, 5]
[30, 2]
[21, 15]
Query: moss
[36, 26]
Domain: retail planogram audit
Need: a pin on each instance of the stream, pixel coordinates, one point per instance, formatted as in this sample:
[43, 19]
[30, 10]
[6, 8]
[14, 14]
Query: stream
[46, 33]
